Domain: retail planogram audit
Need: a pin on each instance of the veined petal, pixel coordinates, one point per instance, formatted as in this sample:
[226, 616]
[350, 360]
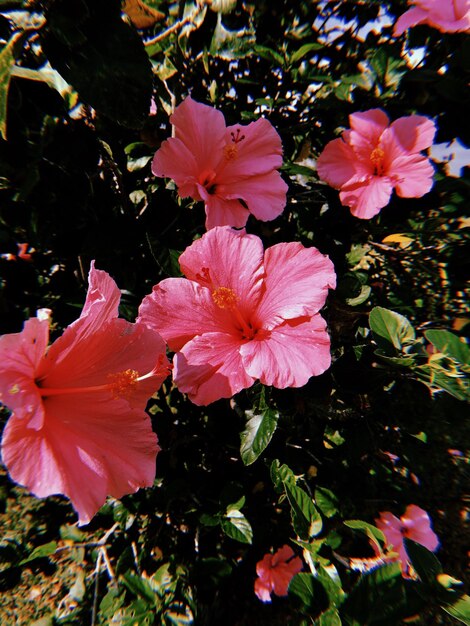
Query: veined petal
[259, 152]
[367, 126]
[413, 175]
[264, 194]
[296, 283]
[85, 451]
[115, 348]
[101, 305]
[366, 198]
[413, 132]
[336, 165]
[209, 368]
[223, 212]
[224, 257]
[179, 309]
[290, 354]
[174, 160]
[22, 352]
[202, 130]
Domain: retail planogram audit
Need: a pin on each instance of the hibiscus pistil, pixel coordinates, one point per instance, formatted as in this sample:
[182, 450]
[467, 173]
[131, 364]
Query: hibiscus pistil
[377, 159]
[226, 298]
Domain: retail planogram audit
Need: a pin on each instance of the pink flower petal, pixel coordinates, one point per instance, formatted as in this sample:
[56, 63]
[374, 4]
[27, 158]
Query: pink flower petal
[297, 282]
[235, 260]
[210, 367]
[290, 354]
[367, 127]
[117, 347]
[174, 160]
[180, 309]
[264, 194]
[413, 176]
[418, 525]
[414, 132]
[262, 590]
[411, 18]
[282, 555]
[67, 455]
[22, 352]
[284, 574]
[101, 305]
[202, 130]
[258, 153]
[366, 198]
[336, 165]
[222, 212]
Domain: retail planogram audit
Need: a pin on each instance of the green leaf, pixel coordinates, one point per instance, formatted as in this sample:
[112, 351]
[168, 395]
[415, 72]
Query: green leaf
[425, 563]
[330, 618]
[236, 526]
[7, 61]
[460, 609]
[140, 587]
[397, 361]
[371, 531]
[361, 298]
[259, 432]
[281, 474]
[306, 519]
[270, 55]
[72, 533]
[40, 552]
[326, 501]
[377, 597]
[392, 328]
[449, 344]
[101, 56]
[310, 592]
[304, 50]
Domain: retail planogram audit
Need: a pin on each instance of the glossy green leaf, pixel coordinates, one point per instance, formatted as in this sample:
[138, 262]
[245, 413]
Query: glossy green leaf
[311, 593]
[449, 344]
[236, 526]
[390, 329]
[425, 563]
[460, 609]
[40, 552]
[299, 54]
[371, 531]
[326, 501]
[306, 519]
[259, 431]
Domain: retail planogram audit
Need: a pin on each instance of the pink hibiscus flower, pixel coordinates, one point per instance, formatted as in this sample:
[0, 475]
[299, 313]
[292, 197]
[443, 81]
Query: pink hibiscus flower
[448, 16]
[275, 571]
[232, 169]
[242, 314]
[373, 158]
[78, 426]
[414, 524]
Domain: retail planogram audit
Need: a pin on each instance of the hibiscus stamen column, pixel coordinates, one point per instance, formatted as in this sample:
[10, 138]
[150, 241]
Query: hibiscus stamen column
[226, 298]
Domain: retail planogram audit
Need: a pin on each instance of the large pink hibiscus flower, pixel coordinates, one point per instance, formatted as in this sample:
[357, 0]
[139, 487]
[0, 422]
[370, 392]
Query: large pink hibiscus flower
[232, 169]
[242, 314]
[275, 571]
[373, 158]
[78, 426]
[413, 524]
[448, 16]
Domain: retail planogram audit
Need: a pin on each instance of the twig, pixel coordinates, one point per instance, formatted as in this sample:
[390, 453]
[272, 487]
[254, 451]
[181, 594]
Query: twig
[177, 25]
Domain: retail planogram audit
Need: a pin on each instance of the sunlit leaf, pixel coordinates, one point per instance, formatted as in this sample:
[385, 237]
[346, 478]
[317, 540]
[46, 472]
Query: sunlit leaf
[259, 431]
[390, 329]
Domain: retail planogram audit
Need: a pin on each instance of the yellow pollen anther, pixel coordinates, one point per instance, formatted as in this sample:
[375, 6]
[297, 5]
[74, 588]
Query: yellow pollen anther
[376, 158]
[230, 152]
[224, 297]
[122, 383]
[14, 390]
